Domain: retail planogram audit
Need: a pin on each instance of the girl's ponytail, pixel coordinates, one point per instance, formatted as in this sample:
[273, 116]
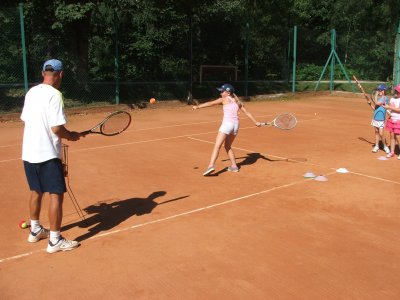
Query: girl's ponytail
[240, 103]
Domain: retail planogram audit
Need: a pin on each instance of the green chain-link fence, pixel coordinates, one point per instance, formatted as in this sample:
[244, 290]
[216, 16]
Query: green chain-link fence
[117, 58]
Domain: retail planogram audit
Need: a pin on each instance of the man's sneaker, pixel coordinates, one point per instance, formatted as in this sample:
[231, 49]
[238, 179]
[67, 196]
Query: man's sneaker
[375, 149]
[391, 154]
[387, 150]
[62, 245]
[208, 171]
[233, 169]
[398, 157]
[34, 237]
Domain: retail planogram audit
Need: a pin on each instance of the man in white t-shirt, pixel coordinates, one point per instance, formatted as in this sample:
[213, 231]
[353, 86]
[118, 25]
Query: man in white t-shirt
[44, 118]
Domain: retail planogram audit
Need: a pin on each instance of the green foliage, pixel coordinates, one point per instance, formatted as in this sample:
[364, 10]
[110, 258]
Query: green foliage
[150, 41]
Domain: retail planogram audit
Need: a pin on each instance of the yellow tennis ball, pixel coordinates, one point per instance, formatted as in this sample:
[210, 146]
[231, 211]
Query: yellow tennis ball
[23, 225]
[152, 100]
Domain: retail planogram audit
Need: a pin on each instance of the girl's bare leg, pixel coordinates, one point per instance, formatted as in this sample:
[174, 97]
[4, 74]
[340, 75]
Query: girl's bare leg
[392, 142]
[377, 136]
[218, 143]
[382, 137]
[228, 147]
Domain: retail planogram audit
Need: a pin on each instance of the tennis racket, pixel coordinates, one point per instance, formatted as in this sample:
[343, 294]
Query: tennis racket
[284, 121]
[370, 101]
[114, 124]
[374, 95]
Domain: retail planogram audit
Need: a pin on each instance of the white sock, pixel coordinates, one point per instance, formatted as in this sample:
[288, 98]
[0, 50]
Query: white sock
[54, 236]
[35, 226]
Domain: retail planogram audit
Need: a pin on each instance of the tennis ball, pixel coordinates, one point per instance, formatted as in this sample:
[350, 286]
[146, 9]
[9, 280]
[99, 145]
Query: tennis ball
[152, 100]
[23, 225]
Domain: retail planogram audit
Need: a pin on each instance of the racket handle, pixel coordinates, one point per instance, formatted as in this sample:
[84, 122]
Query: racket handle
[86, 132]
[266, 124]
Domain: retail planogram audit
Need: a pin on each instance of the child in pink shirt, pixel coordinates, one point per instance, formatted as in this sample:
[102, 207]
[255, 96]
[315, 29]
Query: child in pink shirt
[393, 123]
[229, 127]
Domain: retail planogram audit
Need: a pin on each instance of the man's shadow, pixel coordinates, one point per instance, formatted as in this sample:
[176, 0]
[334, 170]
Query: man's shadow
[105, 216]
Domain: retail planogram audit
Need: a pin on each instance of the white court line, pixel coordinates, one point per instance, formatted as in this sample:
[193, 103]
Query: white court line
[5, 146]
[153, 140]
[15, 257]
[133, 143]
[153, 128]
[302, 162]
[124, 144]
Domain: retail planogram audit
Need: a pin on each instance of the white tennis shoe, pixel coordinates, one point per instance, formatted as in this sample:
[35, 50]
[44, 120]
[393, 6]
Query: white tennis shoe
[233, 169]
[208, 171]
[375, 149]
[62, 245]
[34, 237]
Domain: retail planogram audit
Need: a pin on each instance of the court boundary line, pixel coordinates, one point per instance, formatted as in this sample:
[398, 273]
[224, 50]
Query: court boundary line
[200, 209]
[149, 141]
[304, 162]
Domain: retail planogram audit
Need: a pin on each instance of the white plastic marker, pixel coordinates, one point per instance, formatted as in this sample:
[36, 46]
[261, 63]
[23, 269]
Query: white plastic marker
[309, 175]
[321, 178]
[382, 158]
[342, 170]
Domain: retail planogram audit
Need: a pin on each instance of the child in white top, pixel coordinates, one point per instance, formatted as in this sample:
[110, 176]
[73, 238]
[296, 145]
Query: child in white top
[393, 123]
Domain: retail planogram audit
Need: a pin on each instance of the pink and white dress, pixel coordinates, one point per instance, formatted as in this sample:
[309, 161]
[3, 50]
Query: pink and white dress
[393, 123]
[230, 122]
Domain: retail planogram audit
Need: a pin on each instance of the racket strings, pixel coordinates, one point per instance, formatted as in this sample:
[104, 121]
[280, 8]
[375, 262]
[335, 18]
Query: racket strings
[116, 123]
[286, 121]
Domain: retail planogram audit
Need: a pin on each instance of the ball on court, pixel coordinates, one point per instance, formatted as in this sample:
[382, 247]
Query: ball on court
[315, 113]
[152, 100]
[23, 225]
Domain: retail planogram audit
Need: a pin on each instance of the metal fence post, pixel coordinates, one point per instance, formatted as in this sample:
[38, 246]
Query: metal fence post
[116, 59]
[396, 62]
[294, 59]
[21, 22]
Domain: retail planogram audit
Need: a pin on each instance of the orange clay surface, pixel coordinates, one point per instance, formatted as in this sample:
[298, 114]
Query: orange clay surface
[157, 229]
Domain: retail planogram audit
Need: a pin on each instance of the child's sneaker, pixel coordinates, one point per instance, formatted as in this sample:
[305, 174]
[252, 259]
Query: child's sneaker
[375, 149]
[233, 169]
[208, 171]
[387, 150]
[62, 245]
[34, 237]
[391, 154]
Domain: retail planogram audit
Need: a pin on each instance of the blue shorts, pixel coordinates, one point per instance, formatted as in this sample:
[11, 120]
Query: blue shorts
[46, 176]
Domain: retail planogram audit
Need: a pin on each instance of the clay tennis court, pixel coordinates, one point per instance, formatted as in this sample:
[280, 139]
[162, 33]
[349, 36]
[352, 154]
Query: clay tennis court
[157, 229]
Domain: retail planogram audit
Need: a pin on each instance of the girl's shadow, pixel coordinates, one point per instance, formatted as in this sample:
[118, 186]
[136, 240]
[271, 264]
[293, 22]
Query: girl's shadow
[105, 216]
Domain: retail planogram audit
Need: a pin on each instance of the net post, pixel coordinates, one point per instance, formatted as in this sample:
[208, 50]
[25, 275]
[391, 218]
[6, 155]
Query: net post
[332, 57]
